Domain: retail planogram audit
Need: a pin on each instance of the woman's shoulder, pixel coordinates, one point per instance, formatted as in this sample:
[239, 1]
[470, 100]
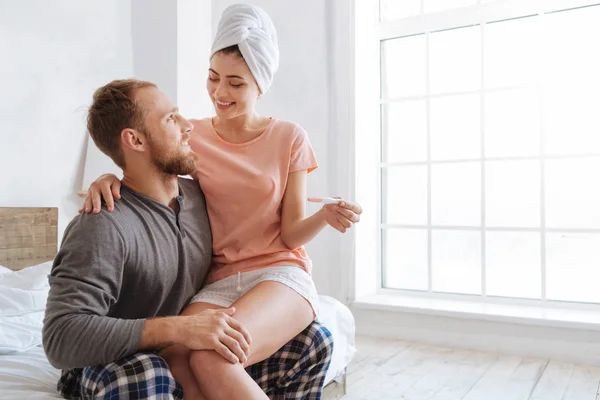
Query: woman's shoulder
[289, 128]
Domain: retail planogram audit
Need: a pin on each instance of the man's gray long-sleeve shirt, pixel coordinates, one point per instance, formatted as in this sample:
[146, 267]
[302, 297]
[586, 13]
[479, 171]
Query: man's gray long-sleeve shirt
[116, 269]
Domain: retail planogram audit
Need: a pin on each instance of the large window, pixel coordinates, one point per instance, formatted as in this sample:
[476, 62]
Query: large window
[489, 164]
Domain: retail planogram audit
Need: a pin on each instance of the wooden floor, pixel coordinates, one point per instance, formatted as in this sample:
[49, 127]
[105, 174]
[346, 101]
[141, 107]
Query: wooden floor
[387, 369]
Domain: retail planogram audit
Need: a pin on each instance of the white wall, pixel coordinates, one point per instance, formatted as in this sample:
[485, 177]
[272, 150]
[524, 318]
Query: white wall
[54, 55]
[194, 40]
[312, 55]
[154, 37]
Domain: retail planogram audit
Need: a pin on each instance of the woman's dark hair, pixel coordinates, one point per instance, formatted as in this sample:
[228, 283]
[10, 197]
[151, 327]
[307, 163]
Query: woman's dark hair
[232, 50]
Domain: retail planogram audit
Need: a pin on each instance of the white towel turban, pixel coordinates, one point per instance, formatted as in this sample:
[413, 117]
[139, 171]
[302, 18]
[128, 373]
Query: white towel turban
[252, 30]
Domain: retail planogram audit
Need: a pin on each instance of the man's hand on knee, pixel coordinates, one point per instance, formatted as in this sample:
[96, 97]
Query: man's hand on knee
[216, 330]
[207, 330]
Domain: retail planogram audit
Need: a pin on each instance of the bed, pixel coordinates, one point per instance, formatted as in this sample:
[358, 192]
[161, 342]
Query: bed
[28, 243]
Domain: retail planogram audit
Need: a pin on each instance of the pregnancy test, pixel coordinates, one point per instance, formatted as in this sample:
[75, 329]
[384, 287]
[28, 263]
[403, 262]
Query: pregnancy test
[324, 200]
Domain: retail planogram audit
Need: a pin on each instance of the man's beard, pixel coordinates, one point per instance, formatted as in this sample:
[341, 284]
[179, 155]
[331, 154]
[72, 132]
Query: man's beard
[173, 162]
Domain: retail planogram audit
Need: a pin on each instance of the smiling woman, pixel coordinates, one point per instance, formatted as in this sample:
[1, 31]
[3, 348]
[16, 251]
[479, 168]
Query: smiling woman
[234, 92]
[234, 73]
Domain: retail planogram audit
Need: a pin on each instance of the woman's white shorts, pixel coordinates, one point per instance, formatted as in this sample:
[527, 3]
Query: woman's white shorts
[227, 291]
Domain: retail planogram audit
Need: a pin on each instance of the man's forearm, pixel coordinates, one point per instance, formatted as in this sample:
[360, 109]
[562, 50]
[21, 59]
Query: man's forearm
[80, 340]
[159, 333]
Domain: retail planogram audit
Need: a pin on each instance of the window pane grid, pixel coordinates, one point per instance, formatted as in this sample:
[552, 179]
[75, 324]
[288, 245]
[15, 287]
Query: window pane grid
[409, 231]
[390, 10]
[542, 163]
[429, 230]
[482, 120]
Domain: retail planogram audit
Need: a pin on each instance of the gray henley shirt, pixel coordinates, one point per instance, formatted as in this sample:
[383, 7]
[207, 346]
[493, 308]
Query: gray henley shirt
[115, 269]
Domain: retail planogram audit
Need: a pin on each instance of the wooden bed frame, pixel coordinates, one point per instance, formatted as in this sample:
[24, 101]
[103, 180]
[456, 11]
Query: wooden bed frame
[28, 236]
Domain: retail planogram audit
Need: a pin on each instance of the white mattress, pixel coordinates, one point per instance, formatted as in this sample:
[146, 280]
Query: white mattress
[28, 375]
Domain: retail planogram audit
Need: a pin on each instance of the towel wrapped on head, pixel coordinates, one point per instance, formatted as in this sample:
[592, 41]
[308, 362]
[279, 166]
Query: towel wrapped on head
[251, 29]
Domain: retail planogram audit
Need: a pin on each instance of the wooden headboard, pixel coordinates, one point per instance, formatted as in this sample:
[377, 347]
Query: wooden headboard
[28, 236]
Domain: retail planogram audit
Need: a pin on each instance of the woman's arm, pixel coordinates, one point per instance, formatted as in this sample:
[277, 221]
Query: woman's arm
[296, 229]
[107, 187]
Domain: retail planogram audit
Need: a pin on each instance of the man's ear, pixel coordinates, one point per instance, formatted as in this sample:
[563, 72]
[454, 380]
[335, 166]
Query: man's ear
[133, 139]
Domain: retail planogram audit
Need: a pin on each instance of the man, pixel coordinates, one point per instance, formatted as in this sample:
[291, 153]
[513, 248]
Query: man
[121, 279]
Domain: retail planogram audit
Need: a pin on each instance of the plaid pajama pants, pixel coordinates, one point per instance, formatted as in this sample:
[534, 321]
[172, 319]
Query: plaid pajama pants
[296, 371]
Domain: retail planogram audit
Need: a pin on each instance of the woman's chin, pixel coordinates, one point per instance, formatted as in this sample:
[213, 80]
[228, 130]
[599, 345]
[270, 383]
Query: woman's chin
[226, 114]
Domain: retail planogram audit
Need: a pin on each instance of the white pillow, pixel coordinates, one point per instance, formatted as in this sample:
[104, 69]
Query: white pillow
[23, 296]
[24, 291]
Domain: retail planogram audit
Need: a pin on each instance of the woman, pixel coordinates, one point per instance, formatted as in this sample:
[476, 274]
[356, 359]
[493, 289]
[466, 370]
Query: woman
[253, 173]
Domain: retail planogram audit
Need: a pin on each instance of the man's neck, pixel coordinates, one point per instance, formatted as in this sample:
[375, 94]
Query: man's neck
[158, 186]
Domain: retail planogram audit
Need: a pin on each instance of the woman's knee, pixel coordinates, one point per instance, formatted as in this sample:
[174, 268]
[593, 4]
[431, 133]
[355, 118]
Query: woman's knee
[205, 362]
[175, 353]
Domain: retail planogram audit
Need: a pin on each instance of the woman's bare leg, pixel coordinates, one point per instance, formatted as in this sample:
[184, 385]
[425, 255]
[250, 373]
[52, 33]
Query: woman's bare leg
[178, 359]
[273, 314]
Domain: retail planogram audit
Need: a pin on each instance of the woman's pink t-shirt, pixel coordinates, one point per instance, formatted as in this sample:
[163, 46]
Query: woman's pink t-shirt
[244, 186]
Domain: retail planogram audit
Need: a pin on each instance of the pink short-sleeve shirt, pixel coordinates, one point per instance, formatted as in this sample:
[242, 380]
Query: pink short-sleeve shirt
[244, 186]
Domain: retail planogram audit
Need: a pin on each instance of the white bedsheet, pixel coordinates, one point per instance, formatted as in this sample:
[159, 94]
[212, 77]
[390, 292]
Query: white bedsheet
[28, 375]
[339, 320]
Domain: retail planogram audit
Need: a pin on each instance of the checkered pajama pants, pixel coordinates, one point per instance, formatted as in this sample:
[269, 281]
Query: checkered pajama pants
[296, 371]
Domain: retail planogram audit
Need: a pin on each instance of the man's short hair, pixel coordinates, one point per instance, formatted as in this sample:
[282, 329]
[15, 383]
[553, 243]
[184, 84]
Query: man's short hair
[113, 109]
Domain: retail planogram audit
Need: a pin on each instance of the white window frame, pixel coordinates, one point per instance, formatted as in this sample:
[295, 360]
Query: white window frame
[366, 276]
